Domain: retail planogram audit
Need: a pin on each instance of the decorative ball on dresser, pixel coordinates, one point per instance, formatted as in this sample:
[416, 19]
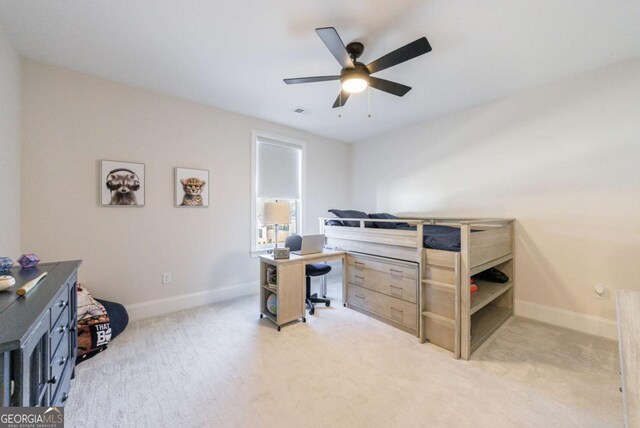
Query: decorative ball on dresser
[5, 264]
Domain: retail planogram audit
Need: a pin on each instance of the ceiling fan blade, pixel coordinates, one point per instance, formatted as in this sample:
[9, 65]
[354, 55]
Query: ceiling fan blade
[389, 86]
[405, 53]
[310, 79]
[342, 99]
[333, 42]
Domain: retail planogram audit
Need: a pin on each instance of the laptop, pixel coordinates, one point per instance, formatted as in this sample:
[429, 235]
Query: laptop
[311, 244]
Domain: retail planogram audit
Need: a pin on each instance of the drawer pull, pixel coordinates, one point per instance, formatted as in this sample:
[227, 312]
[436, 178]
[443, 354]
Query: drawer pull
[395, 272]
[359, 265]
[63, 360]
[65, 396]
[359, 296]
[53, 380]
[397, 288]
[62, 303]
[396, 315]
[62, 329]
[359, 278]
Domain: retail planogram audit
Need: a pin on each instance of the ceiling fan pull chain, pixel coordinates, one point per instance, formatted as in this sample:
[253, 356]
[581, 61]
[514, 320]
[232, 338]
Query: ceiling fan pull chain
[340, 101]
[369, 101]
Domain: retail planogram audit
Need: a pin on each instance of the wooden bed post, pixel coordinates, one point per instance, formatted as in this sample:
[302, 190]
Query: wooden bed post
[465, 293]
[421, 258]
[457, 335]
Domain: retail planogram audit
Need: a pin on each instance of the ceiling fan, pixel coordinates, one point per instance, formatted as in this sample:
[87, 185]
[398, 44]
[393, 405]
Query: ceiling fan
[355, 76]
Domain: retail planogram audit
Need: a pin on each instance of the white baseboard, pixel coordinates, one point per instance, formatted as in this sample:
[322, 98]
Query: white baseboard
[154, 308]
[561, 317]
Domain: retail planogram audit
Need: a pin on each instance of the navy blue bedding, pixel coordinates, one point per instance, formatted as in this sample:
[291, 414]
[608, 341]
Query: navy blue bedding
[439, 237]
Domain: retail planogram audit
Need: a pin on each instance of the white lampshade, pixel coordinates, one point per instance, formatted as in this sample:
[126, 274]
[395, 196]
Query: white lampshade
[276, 213]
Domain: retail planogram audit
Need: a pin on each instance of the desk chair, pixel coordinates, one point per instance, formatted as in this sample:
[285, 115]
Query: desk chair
[294, 243]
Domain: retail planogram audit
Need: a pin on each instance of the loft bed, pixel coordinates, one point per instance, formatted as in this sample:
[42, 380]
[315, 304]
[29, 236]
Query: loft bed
[410, 272]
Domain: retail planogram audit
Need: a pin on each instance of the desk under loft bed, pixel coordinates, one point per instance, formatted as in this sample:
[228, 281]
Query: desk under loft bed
[416, 277]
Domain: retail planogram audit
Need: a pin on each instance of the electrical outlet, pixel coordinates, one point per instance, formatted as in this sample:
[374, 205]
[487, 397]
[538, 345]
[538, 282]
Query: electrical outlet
[166, 278]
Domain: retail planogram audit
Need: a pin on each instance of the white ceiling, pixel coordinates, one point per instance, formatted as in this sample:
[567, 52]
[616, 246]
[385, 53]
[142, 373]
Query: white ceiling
[234, 54]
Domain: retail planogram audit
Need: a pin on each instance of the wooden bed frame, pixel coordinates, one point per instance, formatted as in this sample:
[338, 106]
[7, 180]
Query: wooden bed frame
[448, 314]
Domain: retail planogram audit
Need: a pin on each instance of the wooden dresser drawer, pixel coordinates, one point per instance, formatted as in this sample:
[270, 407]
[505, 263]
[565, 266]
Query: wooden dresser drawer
[59, 305]
[59, 331]
[59, 361]
[390, 284]
[396, 269]
[386, 306]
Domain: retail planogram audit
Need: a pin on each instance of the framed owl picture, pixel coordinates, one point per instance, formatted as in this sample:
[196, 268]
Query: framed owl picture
[191, 188]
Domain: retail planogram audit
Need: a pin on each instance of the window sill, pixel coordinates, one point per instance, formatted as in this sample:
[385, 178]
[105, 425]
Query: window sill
[257, 253]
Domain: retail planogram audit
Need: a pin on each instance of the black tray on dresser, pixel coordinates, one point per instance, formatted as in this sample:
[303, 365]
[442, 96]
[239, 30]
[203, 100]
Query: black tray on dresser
[38, 336]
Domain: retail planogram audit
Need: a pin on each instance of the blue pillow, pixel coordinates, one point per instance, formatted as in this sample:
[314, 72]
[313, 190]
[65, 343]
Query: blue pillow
[385, 225]
[351, 214]
[334, 223]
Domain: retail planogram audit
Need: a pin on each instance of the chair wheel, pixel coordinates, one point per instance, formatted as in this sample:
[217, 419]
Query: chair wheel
[327, 304]
[261, 316]
[278, 328]
[312, 311]
[344, 304]
[324, 297]
[304, 319]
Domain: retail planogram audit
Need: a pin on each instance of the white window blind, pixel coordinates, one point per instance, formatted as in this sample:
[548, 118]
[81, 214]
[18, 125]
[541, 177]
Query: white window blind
[278, 170]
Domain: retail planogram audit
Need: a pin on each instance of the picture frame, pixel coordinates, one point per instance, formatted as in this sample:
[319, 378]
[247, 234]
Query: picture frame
[191, 188]
[122, 184]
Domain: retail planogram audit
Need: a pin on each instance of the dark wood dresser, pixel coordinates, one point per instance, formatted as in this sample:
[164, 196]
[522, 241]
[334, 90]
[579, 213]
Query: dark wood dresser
[38, 336]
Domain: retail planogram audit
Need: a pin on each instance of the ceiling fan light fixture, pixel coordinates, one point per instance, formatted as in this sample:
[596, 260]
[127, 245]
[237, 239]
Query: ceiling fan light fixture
[353, 85]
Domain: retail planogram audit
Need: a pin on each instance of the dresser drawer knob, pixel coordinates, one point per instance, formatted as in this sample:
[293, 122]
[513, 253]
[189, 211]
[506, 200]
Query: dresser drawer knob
[62, 303]
[53, 380]
[63, 360]
[65, 396]
[62, 329]
[359, 265]
[359, 296]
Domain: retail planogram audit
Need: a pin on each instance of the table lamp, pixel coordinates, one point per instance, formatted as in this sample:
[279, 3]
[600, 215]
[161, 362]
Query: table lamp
[276, 213]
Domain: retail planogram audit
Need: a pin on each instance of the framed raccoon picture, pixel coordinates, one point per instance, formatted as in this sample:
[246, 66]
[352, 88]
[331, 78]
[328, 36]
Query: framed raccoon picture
[192, 188]
[121, 184]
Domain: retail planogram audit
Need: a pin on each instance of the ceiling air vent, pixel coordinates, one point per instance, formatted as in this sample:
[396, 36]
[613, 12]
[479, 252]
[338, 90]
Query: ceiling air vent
[302, 110]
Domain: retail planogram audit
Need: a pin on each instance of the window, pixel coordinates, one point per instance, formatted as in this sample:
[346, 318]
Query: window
[278, 166]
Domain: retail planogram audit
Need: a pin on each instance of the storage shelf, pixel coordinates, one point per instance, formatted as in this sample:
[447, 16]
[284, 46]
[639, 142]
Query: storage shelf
[269, 315]
[485, 322]
[273, 290]
[493, 263]
[487, 292]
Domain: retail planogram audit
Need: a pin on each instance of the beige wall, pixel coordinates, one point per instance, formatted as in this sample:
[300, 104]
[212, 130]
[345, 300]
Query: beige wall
[9, 149]
[71, 120]
[563, 159]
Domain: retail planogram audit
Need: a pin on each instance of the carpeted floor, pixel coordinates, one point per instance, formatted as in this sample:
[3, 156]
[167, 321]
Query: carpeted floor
[220, 366]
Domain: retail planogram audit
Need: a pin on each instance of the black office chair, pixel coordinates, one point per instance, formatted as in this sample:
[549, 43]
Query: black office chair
[294, 243]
